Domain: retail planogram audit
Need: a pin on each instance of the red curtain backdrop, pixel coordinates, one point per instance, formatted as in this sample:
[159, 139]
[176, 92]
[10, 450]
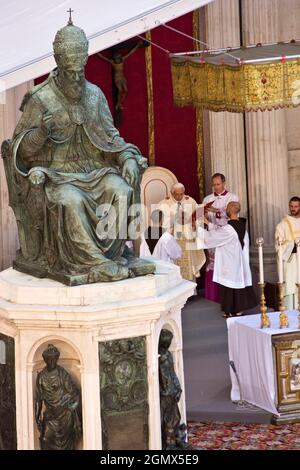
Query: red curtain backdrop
[134, 123]
[174, 128]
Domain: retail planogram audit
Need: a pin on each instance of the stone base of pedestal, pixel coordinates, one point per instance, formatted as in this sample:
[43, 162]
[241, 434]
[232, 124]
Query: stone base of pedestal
[81, 322]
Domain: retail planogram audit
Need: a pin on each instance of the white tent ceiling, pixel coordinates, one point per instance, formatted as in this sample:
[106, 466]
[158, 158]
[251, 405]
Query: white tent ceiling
[27, 28]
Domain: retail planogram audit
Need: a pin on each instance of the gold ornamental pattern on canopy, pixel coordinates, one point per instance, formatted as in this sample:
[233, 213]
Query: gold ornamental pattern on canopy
[235, 88]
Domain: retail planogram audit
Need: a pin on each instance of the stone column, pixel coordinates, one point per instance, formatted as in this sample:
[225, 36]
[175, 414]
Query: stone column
[9, 116]
[267, 155]
[227, 144]
[290, 28]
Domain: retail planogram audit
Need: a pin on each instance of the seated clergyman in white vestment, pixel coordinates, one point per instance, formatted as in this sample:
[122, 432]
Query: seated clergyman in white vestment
[231, 269]
[178, 210]
[158, 242]
[287, 231]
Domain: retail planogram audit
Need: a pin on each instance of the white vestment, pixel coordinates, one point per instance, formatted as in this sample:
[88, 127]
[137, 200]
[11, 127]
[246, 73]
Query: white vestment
[180, 214]
[287, 231]
[166, 248]
[231, 260]
[220, 202]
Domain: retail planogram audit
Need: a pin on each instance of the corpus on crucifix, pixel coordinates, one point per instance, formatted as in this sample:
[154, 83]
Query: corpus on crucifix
[117, 63]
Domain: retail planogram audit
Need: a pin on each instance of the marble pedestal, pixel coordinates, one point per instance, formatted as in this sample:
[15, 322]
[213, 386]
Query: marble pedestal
[36, 312]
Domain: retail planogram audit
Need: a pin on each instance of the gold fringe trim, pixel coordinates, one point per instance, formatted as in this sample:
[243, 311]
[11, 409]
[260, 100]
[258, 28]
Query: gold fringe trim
[248, 87]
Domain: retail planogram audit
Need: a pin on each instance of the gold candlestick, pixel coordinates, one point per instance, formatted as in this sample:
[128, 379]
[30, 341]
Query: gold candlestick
[264, 319]
[283, 318]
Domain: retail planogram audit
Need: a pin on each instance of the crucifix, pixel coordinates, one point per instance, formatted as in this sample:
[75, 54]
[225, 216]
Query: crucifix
[119, 79]
[70, 22]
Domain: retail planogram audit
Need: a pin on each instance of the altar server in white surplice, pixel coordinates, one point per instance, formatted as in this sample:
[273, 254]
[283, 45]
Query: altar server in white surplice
[287, 231]
[231, 269]
[167, 248]
[215, 208]
[158, 242]
[217, 201]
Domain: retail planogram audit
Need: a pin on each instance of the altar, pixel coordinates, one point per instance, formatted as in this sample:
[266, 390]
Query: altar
[266, 362]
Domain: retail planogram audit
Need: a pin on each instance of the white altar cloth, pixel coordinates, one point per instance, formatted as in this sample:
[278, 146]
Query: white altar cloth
[250, 348]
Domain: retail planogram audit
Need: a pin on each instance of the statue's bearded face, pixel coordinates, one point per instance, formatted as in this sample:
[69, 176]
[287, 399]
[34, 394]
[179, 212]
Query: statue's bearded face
[71, 79]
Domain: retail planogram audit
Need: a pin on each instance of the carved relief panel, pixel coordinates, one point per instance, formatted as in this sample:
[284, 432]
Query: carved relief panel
[124, 394]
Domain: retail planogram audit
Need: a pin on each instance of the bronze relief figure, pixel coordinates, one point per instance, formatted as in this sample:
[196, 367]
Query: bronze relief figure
[57, 405]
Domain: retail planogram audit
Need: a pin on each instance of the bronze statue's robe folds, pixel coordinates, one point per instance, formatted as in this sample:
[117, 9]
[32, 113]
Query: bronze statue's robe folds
[58, 183]
[72, 179]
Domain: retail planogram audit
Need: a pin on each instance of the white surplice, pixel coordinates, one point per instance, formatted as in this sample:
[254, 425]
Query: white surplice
[192, 259]
[220, 202]
[231, 261]
[166, 248]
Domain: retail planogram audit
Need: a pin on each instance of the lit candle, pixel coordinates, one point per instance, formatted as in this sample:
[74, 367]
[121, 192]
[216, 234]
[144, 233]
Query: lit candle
[297, 241]
[280, 261]
[260, 242]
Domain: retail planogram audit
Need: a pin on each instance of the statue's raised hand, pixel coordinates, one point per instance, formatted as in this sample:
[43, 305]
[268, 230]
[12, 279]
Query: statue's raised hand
[130, 172]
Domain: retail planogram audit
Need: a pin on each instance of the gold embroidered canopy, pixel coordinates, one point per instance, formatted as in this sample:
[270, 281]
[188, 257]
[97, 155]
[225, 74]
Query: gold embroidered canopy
[243, 79]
